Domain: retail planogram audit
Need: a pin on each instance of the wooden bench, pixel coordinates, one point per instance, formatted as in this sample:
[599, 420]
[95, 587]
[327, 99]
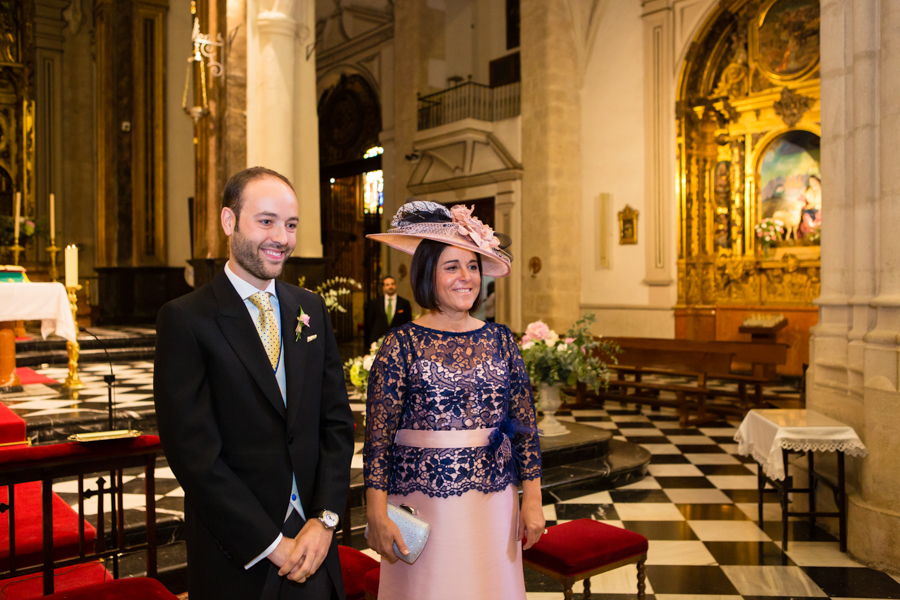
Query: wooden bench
[690, 395]
[697, 361]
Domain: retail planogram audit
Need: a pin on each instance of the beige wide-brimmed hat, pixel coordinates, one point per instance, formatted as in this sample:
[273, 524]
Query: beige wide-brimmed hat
[419, 220]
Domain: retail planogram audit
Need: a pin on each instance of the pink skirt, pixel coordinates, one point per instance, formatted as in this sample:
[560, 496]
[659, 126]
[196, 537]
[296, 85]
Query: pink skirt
[472, 552]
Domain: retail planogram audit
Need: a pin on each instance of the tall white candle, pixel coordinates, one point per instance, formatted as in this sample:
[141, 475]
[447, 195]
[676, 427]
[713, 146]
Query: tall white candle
[71, 265]
[52, 220]
[17, 210]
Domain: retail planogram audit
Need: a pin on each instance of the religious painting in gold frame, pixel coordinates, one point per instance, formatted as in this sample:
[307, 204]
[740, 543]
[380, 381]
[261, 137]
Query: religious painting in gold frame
[790, 184]
[628, 225]
[785, 43]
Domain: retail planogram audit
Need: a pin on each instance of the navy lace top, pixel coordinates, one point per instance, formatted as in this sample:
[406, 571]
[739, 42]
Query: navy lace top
[440, 381]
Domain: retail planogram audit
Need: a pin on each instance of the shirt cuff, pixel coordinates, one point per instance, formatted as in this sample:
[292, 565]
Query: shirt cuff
[265, 552]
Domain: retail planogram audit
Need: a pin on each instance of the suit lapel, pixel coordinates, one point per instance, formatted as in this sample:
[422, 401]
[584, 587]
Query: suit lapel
[294, 349]
[241, 333]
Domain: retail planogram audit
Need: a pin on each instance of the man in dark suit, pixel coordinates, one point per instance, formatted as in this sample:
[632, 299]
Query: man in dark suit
[383, 313]
[253, 412]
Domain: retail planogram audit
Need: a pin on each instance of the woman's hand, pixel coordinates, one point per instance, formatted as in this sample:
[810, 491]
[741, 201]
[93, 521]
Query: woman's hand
[383, 534]
[531, 515]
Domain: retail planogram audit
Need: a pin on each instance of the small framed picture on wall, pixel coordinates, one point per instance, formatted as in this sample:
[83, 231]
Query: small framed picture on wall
[628, 225]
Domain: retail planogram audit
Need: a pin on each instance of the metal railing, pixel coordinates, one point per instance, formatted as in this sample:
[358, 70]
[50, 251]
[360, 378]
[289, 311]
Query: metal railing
[469, 101]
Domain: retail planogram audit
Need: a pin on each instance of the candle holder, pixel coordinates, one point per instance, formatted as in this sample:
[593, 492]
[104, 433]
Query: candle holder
[53, 250]
[16, 250]
[73, 381]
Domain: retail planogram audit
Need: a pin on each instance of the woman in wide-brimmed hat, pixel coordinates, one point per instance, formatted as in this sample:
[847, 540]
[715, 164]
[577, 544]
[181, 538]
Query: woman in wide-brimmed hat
[450, 427]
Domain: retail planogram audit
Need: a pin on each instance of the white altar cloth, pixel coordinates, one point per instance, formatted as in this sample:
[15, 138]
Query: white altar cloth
[765, 433]
[48, 302]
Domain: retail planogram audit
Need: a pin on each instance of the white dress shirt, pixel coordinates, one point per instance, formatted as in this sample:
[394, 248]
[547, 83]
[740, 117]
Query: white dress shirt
[245, 290]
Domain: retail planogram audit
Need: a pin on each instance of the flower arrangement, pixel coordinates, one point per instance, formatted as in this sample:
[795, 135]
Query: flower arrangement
[27, 229]
[331, 293]
[552, 359]
[769, 231]
[357, 369]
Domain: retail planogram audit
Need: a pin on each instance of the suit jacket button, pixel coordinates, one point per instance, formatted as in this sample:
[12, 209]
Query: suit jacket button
[291, 439]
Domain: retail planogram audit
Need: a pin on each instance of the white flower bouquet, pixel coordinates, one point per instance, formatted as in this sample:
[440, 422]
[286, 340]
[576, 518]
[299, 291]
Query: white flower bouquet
[357, 369]
[332, 294]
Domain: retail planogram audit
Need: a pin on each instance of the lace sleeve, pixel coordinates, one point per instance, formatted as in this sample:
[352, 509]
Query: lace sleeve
[384, 409]
[521, 409]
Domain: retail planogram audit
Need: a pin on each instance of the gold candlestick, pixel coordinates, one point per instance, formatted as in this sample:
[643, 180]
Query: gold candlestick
[53, 250]
[16, 250]
[73, 381]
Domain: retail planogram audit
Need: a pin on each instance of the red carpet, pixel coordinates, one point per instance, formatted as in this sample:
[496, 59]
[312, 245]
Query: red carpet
[12, 427]
[28, 376]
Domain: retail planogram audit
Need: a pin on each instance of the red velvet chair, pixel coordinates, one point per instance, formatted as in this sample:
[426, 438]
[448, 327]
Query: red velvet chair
[354, 567]
[578, 550]
[82, 588]
[47, 544]
[372, 579]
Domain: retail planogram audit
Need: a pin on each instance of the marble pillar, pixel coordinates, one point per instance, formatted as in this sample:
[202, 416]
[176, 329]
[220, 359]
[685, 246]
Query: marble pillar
[306, 134]
[282, 116]
[551, 188]
[270, 110]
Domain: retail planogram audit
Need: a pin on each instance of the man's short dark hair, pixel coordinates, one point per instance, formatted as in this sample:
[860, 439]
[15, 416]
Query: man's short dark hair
[233, 197]
[386, 277]
[422, 274]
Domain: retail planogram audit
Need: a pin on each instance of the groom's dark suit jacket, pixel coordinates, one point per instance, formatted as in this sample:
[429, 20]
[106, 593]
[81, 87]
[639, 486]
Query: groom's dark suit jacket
[230, 440]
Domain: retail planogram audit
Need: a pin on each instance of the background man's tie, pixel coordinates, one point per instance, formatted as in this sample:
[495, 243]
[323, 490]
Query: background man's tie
[267, 326]
[390, 310]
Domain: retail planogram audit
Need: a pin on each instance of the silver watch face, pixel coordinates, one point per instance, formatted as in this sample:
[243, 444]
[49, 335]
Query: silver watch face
[329, 519]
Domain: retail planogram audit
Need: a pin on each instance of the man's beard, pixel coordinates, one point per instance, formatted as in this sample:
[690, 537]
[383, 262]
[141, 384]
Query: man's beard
[247, 255]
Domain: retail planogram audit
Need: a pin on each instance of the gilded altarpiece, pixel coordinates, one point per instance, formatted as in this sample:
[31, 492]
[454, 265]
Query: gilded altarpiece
[749, 86]
[17, 143]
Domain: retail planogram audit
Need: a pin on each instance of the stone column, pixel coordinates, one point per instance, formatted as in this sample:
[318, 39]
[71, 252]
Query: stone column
[551, 188]
[864, 174]
[874, 513]
[828, 345]
[306, 134]
[270, 83]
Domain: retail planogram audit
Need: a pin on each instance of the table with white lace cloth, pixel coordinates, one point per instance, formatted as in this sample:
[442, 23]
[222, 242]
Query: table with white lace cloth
[47, 302]
[765, 433]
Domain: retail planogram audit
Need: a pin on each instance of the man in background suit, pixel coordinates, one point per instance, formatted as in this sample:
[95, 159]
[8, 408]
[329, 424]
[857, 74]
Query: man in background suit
[253, 412]
[383, 313]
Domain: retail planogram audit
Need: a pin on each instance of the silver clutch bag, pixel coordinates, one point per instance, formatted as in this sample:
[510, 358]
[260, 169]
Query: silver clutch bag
[413, 529]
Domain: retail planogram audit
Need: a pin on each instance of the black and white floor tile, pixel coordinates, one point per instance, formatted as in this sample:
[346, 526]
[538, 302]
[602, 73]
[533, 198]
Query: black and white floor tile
[697, 506]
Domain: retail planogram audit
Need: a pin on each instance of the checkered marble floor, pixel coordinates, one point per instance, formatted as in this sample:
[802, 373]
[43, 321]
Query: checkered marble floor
[133, 392]
[697, 506]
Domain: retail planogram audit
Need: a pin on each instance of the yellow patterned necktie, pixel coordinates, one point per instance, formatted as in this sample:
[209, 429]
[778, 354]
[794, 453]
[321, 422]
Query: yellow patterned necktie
[267, 326]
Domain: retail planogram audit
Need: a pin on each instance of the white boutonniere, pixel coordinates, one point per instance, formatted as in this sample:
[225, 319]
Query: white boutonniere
[302, 321]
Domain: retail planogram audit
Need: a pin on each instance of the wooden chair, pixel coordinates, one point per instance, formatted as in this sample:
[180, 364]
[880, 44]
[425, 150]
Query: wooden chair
[580, 549]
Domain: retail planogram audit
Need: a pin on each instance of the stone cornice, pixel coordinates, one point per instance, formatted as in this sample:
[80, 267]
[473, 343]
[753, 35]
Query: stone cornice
[370, 39]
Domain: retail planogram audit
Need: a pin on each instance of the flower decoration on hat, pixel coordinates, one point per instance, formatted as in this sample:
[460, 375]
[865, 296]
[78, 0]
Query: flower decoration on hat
[481, 234]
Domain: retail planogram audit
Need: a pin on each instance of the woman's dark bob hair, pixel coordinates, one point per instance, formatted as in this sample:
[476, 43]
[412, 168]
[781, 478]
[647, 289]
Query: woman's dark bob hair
[423, 270]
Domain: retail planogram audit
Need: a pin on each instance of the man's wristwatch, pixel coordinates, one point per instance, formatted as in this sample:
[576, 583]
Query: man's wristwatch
[328, 519]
